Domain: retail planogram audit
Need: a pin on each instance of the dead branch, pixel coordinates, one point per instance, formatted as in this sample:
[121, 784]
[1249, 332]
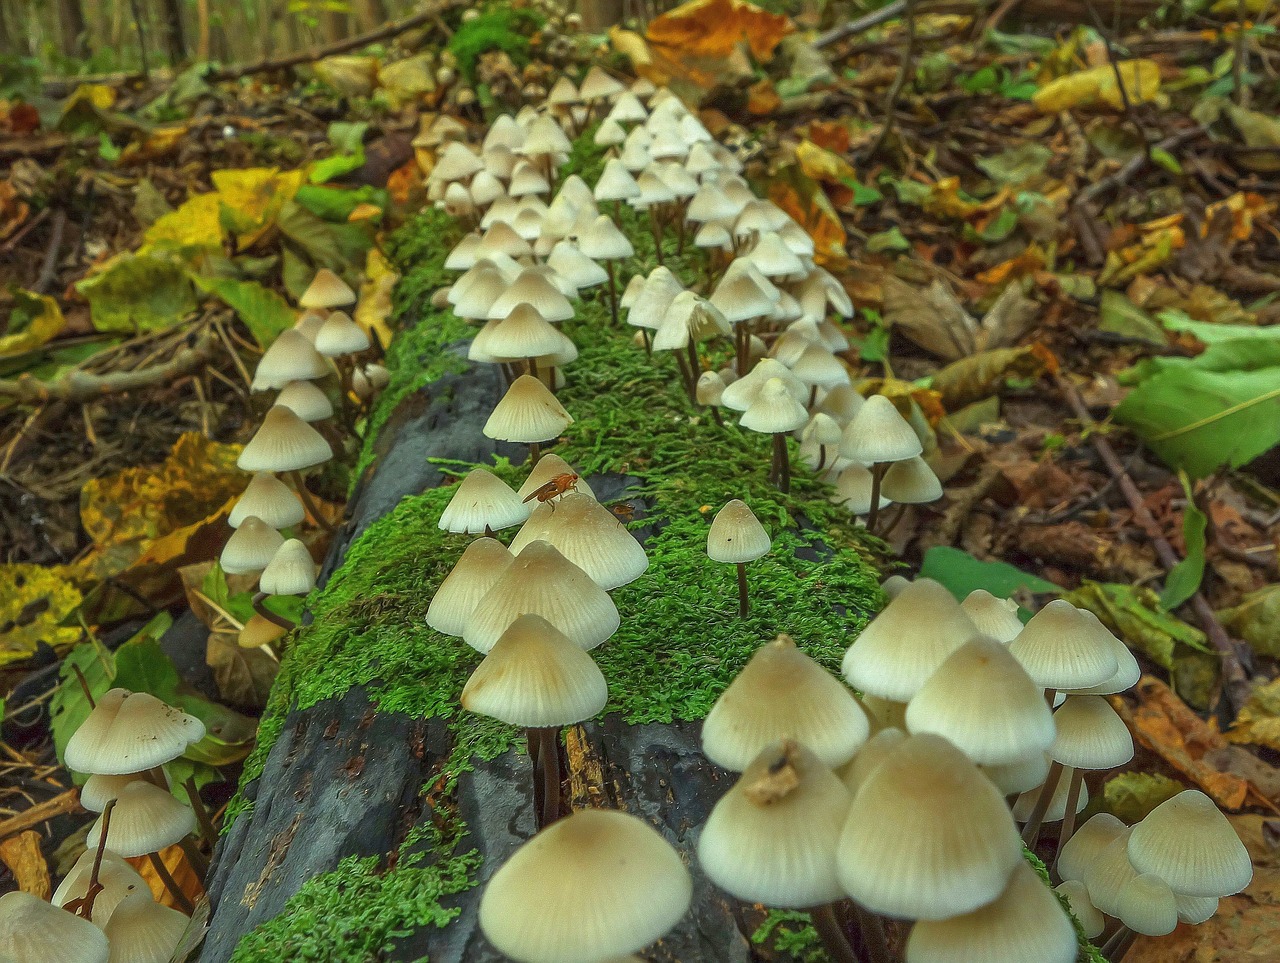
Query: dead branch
[1235, 684]
[59, 805]
[79, 386]
[905, 69]
[49, 266]
[872, 19]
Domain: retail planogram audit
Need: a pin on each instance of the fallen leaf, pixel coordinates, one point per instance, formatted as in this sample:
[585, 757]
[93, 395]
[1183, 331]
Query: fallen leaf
[1257, 620]
[985, 373]
[264, 312]
[1136, 616]
[1183, 580]
[139, 292]
[1260, 131]
[1164, 724]
[961, 573]
[22, 855]
[243, 676]
[1097, 86]
[374, 306]
[932, 317]
[34, 602]
[184, 875]
[823, 165]
[714, 28]
[1131, 796]
[1258, 722]
[349, 75]
[35, 320]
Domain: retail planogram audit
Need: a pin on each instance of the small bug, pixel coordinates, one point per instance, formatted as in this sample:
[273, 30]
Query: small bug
[559, 485]
[624, 510]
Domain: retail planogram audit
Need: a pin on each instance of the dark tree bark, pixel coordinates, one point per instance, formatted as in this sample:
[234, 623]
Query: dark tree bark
[174, 33]
[599, 15]
[75, 32]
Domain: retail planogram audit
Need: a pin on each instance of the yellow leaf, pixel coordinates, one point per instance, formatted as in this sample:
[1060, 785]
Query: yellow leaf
[195, 222]
[350, 75]
[822, 164]
[175, 861]
[944, 200]
[713, 28]
[374, 306]
[1097, 86]
[1258, 723]
[256, 194]
[33, 601]
[35, 319]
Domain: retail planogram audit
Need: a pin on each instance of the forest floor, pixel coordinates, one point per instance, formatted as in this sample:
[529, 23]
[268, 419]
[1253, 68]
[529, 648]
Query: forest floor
[1063, 245]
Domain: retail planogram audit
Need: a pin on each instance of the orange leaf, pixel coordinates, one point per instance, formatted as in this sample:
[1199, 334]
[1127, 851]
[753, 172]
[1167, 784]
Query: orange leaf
[802, 198]
[830, 135]
[175, 861]
[762, 99]
[713, 28]
[822, 164]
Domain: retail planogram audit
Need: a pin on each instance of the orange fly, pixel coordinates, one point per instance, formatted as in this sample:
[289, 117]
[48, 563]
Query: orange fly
[559, 485]
[625, 511]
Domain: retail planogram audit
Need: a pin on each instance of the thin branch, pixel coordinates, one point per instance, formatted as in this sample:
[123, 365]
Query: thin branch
[904, 71]
[864, 23]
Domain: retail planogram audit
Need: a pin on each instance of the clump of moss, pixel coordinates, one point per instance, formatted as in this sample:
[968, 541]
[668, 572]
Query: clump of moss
[499, 28]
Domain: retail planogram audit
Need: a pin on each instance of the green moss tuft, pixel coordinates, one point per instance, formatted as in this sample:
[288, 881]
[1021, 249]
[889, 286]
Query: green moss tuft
[501, 28]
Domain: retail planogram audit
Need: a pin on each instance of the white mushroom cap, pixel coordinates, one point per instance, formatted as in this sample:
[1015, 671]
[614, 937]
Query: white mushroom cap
[911, 482]
[1025, 923]
[689, 317]
[145, 819]
[602, 241]
[33, 931]
[615, 183]
[842, 403]
[482, 500]
[1189, 843]
[570, 262]
[291, 357]
[1195, 909]
[130, 732]
[270, 500]
[993, 616]
[927, 836]
[480, 566]
[874, 751]
[523, 333]
[1090, 735]
[502, 238]
[772, 256]
[1128, 672]
[1147, 905]
[306, 400]
[1078, 853]
[117, 877]
[598, 85]
[340, 335]
[291, 571]
[528, 412]
[1108, 873]
[1092, 922]
[535, 677]
[541, 581]
[535, 289]
[774, 409]
[1061, 649]
[782, 693]
[853, 490]
[736, 535]
[741, 296]
[878, 434]
[1057, 810]
[609, 134]
[1021, 775]
[284, 442]
[143, 931]
[327, 290]
[250, 547]
[533, 909]
[627, 109]
[588, 535]
[649, 308]
[816, 365]
[98, 790]
[710, 389]
[741, 393]
[772, 838]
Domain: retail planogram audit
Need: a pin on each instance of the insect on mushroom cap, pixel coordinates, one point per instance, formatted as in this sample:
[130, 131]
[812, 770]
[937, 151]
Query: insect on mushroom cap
[588, 535]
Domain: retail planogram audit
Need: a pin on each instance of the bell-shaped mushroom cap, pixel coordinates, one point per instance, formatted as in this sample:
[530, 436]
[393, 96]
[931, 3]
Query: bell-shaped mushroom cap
[534, 289]
[473, 299]
[876, 749]
[904, 645]
[270, 500]
[305, 400]
[615, 183]
[33, 931]
[710, 389]
[1092, 922]
[541, 581]
[743, 392]
[713, 236]
[1128, 672]
[853, 490]
[1109, 871]
[649, 308]
[740, 296]
[689, 317]
[571, 263]
[1146, 905]
[609, 134]
[602, 241]
[598, 85]
[1195, 909]
[464, 254]
[250, 548]
[528, 412]
[782, 693]
[993, 616]
[628, 109]
[1061, 649]
[284, 442]
[1090, 734]
[340, 335]
[1075, 860]
[653, 190]
[927, 836]
[145, 819]
[291, 571]
[842, 403]
[523, 333]
[117, 877]
[774, 410]
[816, 365]
[551, 466]
[143, 931]
[822, 429]
[1057, 810]
[455, 162]
[501, 238]
[911, 482]
[772, 838]
[98, 790]
[527, 179]
[535, 677]
[533, 910]
[480, 566]
[327, 290]
[130, 732]
[588, 535]
[291, 357]
[1025, 923]
[309, 324]
[1020, 775]
[773, 258]
[1188, 843]
[879, 434]
[544, 137]
[983, 701]
[483, 500]
[736, 535]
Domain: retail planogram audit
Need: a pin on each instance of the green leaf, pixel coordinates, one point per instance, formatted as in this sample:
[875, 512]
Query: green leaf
[1017, 165]
[1209, 332]
[347, 136]
[961, 573]
[1135, 615]
[1185, 577]
[1131, 796]
[890, 240]
[983, 81]
[1257, 620]
[265, 313]
[108, 151]
[1221, 408]
[863, 193]
[336, 203]
[1119, 315]
[1166, 160]
[335, 166]
[999, 229]
[139, 292]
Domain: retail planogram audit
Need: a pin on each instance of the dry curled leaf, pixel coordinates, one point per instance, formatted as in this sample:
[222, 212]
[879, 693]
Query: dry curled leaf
[977, 376]
[22, 855]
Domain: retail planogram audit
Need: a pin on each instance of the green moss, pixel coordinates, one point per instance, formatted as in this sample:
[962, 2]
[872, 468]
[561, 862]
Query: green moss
[501, 28]
[790, 932]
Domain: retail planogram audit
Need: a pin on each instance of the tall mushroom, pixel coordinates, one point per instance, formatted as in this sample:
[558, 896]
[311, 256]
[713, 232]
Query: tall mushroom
[736, 537]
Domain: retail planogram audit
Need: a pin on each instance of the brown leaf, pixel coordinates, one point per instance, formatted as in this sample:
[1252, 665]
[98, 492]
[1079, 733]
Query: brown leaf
[243, 676]
[22, 855]
[932, 317]
[175, 861]
[979, 375]
[713, 28]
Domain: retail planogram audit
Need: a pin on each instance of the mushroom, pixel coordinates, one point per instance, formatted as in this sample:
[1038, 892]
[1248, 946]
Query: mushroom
[305, 400]
[250, 547]
[775, 411]
[1187, 842]
[144, 931]
[269, 500]
[1076, 855]
[130, 732]
[32, 930]
[1092, 922]
[483, 502]
[994, 617]
[688, 319]
[327, 290]
[602, 241]
[115, 877]
[1090, 736]
[286, 443]
[291, 571]
[535, 677]
[737, 537]
[527, 413]
[550, 466]
[291, 357]
[588, 535]
[877, 436]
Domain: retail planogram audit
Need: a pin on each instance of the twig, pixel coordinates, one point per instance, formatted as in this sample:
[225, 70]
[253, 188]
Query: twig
[49, 266]
[59, 805]
[77, 386]
[904, 71]
[9, 246]
[1242, 54]
[873, 19]
[142, 38]
[1235, 685]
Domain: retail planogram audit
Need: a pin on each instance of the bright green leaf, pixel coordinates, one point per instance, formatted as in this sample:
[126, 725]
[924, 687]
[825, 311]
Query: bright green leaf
[890, 240]
[139, 292]
[1185, 577]
[265, 313]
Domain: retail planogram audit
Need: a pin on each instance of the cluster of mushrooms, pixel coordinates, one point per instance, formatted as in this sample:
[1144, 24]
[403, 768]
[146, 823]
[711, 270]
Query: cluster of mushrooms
[104, 911]
[969, 732]
[297, 433]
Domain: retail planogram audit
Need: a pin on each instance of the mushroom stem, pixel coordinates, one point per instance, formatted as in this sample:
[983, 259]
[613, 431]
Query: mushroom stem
[534, 739]
[872, 931]
[179, 897]
[877, 475]
[549, 764]
[84, 909]
[1032, 828]
[695, 369]
[1073, 798]
[742, 332]
[613, 290]
[822, 458]
[1049, 696]
[266, 613]
[535, 452]
[308, 502]
[207, 831]
[813, 396]
[783, 461]
[744, 605]
[199, 862]
[715, 413]
[1118, 945]
[648, 342]
[657, 233]
[833, 935]
[84, 686]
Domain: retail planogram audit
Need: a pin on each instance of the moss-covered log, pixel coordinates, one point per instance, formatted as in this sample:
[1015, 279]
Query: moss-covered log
[374, 809]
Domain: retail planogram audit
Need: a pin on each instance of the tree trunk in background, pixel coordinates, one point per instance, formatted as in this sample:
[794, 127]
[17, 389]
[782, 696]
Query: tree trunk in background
[334, 26]
[174, 35]
[370, 14]
[75, 33]
[599, 15]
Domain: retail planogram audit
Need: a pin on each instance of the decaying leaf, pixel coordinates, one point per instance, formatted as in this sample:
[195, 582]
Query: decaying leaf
[139, 292]
[22, 855]
[243, 676]
[1167, 726]
[1257, 620]
[979, 375]
[1258, 722]
[34, 320]
[34, 601]
[175, 861]
[713, 28]
[1098, 86]
[1131, 796]
[374, 307]
[932, 317]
